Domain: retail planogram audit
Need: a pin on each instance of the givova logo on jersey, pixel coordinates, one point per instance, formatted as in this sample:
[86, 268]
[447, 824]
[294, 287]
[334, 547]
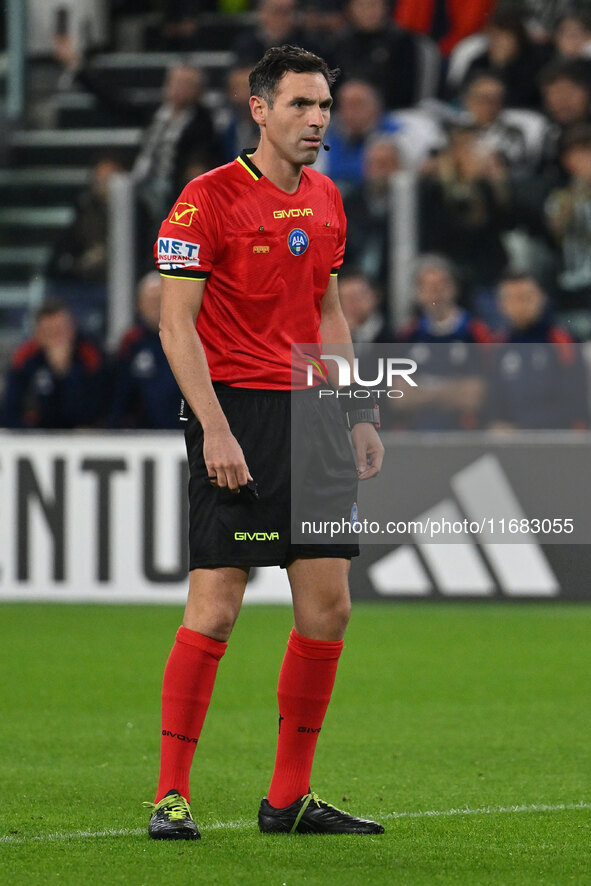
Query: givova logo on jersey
[177, 253]
[297, 241]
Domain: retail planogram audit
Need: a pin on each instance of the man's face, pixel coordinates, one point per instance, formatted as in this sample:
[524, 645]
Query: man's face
[566, 101]
[435, 290]
[522, 302]
[296, 123]
[358, 108]
[55, 330]
[368, 15]
[503, 45]
[358, 300]
[578, 162]
[182, 86]
[380, 161]
[484, 100]
[571, 37]
[277, 18]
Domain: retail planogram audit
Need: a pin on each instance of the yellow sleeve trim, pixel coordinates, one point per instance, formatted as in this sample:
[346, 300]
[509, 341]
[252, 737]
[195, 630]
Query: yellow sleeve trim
[175, 277]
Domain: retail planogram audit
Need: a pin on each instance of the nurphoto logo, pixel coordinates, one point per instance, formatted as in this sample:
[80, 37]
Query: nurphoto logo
[387, 371]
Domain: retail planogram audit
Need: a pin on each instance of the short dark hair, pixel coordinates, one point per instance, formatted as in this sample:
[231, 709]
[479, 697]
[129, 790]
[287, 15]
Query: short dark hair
[349, 272]
[482, 74]
[434, 261]
[517, 275]
[582, 16]
[574, 70]
[354, 272]
[577, 136]
[277, 61]
[513, 22]
[52, 305]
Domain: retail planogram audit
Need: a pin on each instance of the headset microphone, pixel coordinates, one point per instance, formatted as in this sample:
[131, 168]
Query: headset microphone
[325, 146]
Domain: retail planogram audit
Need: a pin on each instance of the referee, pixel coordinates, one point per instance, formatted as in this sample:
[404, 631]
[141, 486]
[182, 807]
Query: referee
[249, 256]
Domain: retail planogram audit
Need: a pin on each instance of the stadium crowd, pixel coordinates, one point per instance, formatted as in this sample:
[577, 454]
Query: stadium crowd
[487, 104]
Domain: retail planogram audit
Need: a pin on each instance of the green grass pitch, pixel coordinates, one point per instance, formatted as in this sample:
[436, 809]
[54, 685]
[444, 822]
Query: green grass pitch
[465, 728]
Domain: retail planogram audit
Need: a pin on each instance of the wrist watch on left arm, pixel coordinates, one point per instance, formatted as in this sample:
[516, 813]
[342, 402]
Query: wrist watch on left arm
[368, 414]
[358, 409]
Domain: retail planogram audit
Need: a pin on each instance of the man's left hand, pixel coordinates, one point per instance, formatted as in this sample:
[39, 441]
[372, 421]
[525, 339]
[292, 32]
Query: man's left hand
[368, 448]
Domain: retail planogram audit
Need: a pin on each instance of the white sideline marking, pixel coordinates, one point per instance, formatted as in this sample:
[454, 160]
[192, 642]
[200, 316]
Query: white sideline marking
[122, 832]
[489, 810]
[243, 823]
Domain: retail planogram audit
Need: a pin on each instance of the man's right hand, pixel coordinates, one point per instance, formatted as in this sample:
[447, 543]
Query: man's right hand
[224, 460]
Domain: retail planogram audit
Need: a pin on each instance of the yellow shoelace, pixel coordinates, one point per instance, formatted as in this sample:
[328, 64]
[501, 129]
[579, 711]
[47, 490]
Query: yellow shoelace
[174, 807]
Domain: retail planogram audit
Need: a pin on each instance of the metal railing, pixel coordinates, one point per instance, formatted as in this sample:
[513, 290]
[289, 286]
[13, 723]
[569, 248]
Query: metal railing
[16, 28]
[121, 272]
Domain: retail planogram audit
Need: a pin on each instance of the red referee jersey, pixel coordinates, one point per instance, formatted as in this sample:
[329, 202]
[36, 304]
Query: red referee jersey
[267, 257]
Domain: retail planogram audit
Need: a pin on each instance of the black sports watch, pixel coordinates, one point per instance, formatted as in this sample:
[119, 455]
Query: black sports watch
[356, 411]
[370, 414]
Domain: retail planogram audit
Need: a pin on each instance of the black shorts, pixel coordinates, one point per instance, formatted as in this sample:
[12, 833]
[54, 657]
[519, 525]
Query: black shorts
[227, 529]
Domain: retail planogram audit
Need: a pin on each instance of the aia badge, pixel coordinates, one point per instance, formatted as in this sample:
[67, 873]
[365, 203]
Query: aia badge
[182, 214]
[298, 241]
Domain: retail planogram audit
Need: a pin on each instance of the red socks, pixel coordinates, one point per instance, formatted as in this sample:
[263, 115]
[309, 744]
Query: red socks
[186, 692]
[305, 686]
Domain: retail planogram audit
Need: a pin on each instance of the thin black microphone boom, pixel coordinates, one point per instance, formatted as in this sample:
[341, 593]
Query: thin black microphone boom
[325, 146]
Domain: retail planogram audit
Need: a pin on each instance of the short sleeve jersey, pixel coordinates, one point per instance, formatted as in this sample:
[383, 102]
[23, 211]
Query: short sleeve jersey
[267, 257]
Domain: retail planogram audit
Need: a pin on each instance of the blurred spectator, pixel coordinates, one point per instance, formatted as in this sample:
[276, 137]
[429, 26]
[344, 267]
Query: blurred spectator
[324, 18]
[437, 295]
[515, 135]
[568, 212]
[359, 116]
[566, 91]
[444, 21]
[367, 208]
[238, 129]
[403, 67]
[572, 34]
[542, 15]
[538, 377]
[78, 266]
[512, 54]
[276, 23]
[360, 300]
[463, 205]
[197, 164]
[180, 126]
[145, 393]
[444, 341]
[83, 251]
[56, 379]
